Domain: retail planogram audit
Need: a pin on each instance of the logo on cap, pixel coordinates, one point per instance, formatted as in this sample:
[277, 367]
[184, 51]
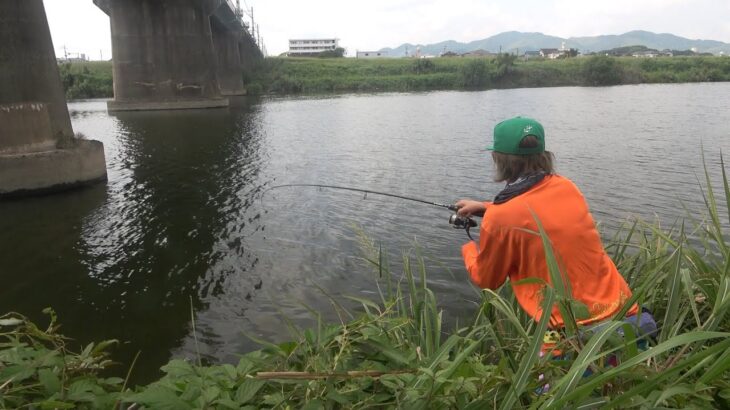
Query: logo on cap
[527, 129]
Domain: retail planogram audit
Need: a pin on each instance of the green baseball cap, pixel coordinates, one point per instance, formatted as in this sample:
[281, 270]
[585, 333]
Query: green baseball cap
[509, 133]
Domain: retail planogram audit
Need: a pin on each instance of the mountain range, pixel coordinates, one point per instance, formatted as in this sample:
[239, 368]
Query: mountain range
[515, 41]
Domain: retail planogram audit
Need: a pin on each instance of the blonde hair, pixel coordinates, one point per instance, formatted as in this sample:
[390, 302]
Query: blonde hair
[509, 167]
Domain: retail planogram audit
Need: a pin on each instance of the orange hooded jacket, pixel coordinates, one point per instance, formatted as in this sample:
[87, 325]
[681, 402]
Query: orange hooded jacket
[510, 246]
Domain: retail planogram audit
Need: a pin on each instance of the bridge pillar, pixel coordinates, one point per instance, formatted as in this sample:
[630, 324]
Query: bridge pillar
[38, 150]
[162, 55]
[230, 70]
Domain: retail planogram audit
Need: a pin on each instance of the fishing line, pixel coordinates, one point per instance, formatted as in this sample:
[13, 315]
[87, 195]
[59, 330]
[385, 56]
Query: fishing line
[459, 222]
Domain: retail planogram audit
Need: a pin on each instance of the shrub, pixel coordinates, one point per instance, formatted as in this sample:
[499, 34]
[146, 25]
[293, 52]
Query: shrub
[475, 74]
[601, 70]
[423, 66]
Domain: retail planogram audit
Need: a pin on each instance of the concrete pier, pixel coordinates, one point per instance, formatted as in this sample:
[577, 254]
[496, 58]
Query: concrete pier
[162, 54]
[38, 150]
[177, 54]
[228, 59]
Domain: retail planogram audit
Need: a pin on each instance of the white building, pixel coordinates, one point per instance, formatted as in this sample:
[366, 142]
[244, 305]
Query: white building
[372, 54]
[311, 46]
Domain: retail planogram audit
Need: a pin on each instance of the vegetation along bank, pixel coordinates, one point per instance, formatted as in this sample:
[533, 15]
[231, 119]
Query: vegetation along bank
[393, 352]
[281, 75]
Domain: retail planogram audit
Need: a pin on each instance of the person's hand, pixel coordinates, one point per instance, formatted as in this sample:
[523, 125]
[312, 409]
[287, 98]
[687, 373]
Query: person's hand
[468, 207]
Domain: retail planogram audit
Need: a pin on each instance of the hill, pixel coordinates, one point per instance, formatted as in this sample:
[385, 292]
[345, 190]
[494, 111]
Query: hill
[513, 41]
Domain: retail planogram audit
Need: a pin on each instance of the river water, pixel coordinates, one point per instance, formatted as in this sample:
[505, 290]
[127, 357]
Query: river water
[183, 225]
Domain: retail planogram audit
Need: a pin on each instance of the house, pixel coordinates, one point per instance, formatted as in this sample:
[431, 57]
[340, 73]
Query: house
[312, 46]
[371, 54]
[550, 53]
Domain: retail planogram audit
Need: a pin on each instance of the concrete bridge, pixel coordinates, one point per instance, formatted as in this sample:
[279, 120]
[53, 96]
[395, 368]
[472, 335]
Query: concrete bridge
[177, 54]
[38, 149]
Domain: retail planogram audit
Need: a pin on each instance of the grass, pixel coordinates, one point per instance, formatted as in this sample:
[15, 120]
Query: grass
[395, 353]
[327, 75]
[313, 75]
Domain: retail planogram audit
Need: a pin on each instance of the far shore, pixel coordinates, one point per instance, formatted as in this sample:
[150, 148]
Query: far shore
[284, 76]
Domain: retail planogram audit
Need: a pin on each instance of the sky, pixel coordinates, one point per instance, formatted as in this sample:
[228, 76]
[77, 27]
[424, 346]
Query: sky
[80, 27]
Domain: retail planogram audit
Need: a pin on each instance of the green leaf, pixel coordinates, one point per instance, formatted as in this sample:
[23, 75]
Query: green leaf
[113, 380]
[53, 404]
[210, 394]
[248, 389]
[178, 368]
[17, 373]
[228, 403]
[520, 378]
[392, 382]
[158, 398]
[337, 397]
[314, 405]
[719, 367]
[274, 399]
[245, 366]
[50, 381]
[288, 347]
[389, 352]
[82, 390]
[579, 309]
[683, 389]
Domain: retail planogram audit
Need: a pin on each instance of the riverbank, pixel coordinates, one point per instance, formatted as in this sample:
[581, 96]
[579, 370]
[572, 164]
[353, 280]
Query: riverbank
[277, 75]
[393, 351]
[289, 75]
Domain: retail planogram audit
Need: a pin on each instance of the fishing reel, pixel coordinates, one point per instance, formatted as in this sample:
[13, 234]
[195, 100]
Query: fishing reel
[462, 222]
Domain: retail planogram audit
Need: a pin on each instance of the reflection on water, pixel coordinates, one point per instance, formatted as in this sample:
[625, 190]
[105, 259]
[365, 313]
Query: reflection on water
[182, 224]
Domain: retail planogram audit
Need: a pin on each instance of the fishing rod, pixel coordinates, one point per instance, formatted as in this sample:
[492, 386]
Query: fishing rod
[458, 222]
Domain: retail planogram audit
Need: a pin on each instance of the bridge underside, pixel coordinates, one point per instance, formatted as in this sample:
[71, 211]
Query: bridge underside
[175, 54]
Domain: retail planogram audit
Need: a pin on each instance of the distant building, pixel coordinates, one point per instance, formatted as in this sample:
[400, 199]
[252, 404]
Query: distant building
[371, 54]
[532, 54]
[306, 47]
[449, 54]
[550, 53]
[72, 58]
[646, 54]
